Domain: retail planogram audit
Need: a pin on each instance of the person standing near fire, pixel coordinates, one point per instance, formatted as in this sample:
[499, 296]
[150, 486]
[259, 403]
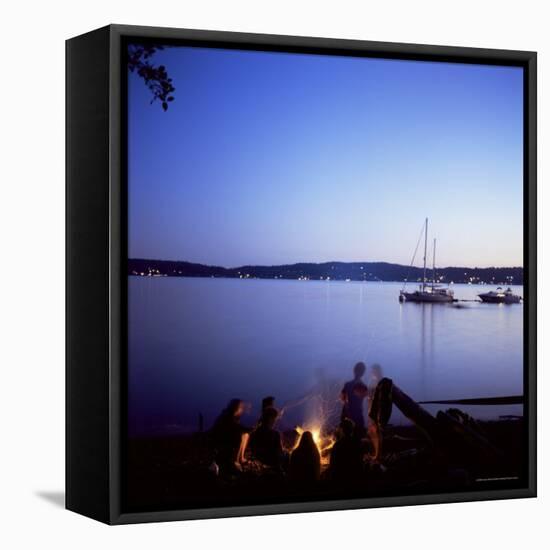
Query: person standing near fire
[353, 395]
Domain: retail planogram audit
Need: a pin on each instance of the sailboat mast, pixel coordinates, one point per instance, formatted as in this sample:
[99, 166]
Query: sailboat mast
[433, 270]
[425, 254]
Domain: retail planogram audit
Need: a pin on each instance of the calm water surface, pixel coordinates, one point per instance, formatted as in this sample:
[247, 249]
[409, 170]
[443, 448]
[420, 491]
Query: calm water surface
[196, 343]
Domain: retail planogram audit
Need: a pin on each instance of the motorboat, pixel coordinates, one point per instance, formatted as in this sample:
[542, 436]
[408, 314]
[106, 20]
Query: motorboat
[500, 296]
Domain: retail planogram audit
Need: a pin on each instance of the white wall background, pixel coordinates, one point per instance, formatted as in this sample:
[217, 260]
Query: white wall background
[32, 302]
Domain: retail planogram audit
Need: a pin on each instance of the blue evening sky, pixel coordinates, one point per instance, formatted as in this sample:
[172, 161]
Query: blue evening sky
[271, 158]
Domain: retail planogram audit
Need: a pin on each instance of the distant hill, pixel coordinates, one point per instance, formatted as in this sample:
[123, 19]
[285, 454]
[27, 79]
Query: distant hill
[340, 271]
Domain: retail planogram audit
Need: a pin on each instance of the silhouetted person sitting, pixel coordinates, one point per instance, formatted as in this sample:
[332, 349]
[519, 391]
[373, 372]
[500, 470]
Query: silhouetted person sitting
[353, 394]
[290, 440]
[268, 402]
[305, 461]
[230, 437]
[346, 457]
[265, 440]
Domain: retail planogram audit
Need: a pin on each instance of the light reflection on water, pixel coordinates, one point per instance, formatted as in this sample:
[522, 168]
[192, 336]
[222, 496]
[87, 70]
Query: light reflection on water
[196, 343]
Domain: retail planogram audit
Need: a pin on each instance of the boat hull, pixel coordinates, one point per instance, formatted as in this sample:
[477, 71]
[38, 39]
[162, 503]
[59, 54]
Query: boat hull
[427, 297]
[488, 299]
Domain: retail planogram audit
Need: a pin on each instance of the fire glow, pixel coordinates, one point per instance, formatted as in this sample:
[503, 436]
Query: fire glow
[323, 442]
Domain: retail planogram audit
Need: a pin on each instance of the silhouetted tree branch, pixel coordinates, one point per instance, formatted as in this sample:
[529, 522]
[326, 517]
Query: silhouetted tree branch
[155, 77]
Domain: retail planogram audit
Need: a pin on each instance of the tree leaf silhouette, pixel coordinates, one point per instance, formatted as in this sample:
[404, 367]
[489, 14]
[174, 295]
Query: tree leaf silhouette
[155, 77]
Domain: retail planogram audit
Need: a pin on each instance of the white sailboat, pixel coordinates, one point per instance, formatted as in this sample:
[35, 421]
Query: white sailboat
[427, 292]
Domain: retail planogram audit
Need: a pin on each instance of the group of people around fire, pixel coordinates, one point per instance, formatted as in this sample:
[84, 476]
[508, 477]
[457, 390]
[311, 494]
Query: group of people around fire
[233, 441]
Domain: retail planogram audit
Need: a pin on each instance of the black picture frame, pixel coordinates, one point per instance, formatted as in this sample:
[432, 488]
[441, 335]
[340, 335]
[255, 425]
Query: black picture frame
[96, 256]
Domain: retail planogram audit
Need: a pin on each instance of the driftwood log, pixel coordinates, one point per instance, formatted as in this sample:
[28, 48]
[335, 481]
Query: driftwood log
[452, 431]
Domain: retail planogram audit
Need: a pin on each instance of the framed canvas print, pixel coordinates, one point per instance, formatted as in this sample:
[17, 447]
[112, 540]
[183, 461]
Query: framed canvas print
[301, 274]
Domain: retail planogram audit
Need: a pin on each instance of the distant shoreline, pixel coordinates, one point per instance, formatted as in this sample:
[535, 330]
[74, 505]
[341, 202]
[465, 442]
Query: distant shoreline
[333, 271]
[139, 276]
